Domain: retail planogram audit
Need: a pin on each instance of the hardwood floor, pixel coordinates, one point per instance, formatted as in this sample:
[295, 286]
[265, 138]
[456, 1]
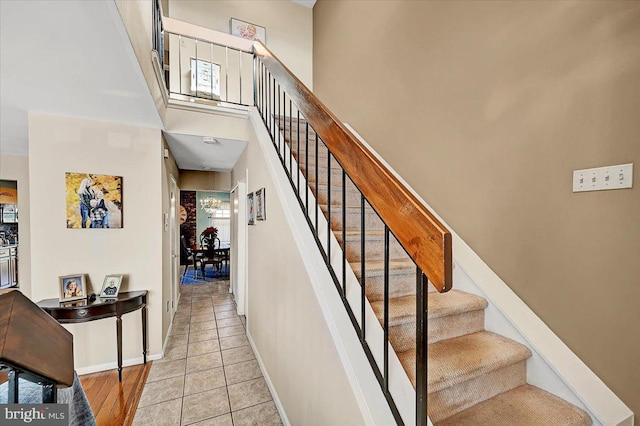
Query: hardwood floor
[115, 403]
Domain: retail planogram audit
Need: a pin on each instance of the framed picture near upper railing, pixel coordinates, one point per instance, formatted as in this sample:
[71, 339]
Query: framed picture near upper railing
[248, 30]
[205, 79]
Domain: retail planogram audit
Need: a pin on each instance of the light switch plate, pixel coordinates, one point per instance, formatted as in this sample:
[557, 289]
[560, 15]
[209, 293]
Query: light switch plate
[603, 178]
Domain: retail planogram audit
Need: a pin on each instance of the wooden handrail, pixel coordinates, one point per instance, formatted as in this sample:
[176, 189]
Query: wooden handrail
[426, 240]
[32, 341]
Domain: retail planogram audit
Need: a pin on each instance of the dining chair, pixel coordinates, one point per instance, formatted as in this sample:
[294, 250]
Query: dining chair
[213, 257]
[187, 258]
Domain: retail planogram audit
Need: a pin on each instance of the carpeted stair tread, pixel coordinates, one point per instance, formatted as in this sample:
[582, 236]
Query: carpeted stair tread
[402, 310]
[455, 360]
[523, 406]
[453, 302]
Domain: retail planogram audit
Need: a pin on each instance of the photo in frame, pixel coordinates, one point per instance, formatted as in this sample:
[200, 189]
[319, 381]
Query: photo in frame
[251, 212]
[72, 287]
[205, 79]
[111, 286]
[248, 30]
[261, 213]
[93, 201]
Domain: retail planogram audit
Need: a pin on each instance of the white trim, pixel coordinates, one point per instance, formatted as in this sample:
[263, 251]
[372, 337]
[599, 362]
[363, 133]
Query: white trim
[200, 105]
[570, 378]
[113, 365]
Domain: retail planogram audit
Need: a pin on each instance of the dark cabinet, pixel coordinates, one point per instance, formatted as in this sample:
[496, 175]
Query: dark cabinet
[8, 266]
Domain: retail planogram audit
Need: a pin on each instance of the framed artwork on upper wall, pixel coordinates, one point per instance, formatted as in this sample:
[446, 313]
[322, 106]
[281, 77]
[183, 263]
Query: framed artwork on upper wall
[248, 30]
[93, 201]
[261, 213]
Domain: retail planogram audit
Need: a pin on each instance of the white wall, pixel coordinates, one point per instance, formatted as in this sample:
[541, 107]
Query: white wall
[289, 26]
[62, 144]
[17, 168]
[285, 321]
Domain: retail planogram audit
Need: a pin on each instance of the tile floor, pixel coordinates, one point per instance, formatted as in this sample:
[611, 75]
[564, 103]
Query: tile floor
[209, 374]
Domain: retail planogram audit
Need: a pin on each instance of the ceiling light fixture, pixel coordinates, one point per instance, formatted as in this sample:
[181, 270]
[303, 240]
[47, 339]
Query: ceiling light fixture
[209, 140]
[210, 204]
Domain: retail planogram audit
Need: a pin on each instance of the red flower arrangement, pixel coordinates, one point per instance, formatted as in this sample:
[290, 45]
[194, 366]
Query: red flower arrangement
[210, 232]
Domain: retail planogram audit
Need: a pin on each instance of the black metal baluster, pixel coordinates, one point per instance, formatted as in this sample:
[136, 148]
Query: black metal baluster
[273, 112]
[363, 277]
[317, 168]
[344, 233]
[386, 308]
[283, 120]
[277, 127]
[298, 149]
[306, 177]
[421, 347]
[255, 85]
[290, 140]
[328, 207]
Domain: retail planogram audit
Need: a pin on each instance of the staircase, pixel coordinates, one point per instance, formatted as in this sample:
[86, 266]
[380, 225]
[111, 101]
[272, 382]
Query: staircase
[475, 377]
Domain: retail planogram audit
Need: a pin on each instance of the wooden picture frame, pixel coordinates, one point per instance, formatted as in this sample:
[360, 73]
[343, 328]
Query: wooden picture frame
[261, 213]
[247, 30]
[72, 287]
[111, 286]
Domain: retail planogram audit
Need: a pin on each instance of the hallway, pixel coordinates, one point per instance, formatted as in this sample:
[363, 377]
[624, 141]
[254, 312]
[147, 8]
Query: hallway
[209, 375]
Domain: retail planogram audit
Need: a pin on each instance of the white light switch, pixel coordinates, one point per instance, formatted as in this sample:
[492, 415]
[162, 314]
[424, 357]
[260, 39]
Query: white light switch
[603, 178]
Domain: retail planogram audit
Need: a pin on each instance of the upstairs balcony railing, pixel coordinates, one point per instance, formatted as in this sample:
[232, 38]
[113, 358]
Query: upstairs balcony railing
[346, 193]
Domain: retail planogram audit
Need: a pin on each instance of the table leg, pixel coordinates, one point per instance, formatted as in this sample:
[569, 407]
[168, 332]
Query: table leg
[119, 337]
[144, 332]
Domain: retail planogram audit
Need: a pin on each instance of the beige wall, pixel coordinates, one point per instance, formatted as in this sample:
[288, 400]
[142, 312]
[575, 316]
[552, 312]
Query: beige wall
[13, 167]
[289, 26]
[193, 180]
[485, 108]
[61, 144]
[284, 318]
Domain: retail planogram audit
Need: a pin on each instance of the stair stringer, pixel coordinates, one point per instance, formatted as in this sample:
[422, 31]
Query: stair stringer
[553, 366]
[367, 391]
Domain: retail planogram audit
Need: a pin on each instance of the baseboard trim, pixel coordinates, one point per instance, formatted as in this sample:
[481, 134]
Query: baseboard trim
[272, 389]
[113, 365]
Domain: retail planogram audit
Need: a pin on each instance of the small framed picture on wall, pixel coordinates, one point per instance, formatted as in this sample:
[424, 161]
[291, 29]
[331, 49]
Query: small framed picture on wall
[261, 213]
[251, 211]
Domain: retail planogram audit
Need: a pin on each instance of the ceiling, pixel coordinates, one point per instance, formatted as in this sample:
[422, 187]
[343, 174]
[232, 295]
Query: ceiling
[74, 58]
[71, 58]
[192, 153]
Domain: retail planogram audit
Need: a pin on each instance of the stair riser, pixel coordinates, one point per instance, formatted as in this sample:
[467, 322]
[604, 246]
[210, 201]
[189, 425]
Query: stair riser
[353, 197]
[452, 400]
[403, 336]
[372, 220]
[336, 175]
[400, 285]
[374, 249]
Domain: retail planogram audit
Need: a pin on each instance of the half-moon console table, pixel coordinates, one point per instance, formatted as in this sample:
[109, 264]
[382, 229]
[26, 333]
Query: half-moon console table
[99, 308]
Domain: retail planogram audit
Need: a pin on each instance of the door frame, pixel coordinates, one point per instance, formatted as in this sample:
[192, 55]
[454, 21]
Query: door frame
[238, 254]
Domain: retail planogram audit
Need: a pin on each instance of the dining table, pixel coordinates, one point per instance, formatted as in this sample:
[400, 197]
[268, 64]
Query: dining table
[198, 251]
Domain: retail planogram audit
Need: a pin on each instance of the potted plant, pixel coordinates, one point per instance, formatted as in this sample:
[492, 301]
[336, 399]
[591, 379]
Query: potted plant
[208, 235]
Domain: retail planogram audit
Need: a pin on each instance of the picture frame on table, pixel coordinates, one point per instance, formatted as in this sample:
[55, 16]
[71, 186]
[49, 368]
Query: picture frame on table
[247, 30]
[251, 212]
[261, 213]
[72, 287]
[111, 286]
